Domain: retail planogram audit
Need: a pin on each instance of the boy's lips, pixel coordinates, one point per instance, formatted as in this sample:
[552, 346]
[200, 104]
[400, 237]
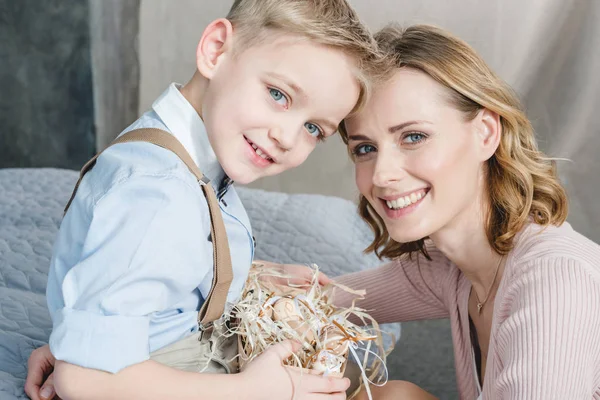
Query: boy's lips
[257, 156]
[260, 151]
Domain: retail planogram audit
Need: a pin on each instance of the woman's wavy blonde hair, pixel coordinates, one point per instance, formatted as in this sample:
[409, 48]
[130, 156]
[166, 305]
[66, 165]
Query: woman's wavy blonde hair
[522, 182]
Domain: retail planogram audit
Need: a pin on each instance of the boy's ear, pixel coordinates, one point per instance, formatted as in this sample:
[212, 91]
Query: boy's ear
[489, 133]
[216, 41]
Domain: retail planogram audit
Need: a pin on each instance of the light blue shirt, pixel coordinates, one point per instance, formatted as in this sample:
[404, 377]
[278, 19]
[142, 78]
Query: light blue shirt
[133, 261]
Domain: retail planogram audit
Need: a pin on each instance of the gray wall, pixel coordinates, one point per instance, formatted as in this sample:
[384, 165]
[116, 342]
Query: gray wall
[69, 79]
[114, 27]
[46, 105]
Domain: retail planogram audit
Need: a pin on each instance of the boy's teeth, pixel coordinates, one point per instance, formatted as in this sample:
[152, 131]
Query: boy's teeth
[260, 153]
[405, 201]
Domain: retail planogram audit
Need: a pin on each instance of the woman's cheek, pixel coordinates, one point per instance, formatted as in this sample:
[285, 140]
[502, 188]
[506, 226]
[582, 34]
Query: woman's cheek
[364, 178]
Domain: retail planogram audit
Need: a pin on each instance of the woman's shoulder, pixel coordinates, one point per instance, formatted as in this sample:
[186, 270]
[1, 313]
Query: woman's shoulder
[538, 248]
[537, 241]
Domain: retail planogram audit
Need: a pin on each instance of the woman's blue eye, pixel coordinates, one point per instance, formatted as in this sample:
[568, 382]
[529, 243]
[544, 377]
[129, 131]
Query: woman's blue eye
[413, 138]
[278, 96]
[364, 149]
[313, 129]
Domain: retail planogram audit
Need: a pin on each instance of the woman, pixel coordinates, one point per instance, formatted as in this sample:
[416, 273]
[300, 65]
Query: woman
[472, 216]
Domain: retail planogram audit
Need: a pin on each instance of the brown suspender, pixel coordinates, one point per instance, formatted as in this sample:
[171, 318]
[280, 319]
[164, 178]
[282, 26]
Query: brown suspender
[214, 305]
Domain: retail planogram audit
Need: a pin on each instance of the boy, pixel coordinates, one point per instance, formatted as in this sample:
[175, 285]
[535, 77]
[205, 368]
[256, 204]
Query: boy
[133, 260]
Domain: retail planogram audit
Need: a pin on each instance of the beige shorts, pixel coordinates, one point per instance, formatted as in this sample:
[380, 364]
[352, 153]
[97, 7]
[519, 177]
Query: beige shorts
[211, 354]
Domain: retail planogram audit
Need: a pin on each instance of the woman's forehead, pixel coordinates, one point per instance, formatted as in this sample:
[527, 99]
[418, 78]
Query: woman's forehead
[409, 95]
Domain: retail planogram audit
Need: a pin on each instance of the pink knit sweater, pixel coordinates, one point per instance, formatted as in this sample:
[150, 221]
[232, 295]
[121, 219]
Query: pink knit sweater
[545, 337]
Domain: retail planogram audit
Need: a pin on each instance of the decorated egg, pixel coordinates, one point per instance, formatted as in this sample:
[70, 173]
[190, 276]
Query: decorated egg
[333, 340]
[327, 362]
[285, 310]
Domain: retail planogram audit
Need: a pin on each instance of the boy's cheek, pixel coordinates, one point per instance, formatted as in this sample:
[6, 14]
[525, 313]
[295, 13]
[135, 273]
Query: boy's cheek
[299, 160]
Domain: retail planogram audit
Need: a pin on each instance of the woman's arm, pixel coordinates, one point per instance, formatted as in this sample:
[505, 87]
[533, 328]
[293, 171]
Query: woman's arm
[402, 290]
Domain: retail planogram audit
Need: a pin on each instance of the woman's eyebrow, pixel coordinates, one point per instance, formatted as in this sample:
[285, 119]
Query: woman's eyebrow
[403, 125]
[358, 137]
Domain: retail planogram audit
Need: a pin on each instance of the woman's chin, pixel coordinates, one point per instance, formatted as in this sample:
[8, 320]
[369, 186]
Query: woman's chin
[406, 236]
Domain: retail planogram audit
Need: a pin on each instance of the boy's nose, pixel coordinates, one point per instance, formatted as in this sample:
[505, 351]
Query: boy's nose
[284, 139]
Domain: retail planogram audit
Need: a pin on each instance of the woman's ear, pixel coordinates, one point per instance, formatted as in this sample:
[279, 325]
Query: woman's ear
[489, 132]
[215, 44]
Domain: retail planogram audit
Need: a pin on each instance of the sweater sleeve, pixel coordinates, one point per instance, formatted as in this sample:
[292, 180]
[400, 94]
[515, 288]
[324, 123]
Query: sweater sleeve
[402, 290]
[548, 342]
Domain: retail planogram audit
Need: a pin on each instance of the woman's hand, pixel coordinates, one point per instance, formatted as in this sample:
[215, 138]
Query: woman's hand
[267, 378]
[39, 384]
[298, 274]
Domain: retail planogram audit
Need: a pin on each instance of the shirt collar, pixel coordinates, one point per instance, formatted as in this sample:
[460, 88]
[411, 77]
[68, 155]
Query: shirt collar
[186, 125]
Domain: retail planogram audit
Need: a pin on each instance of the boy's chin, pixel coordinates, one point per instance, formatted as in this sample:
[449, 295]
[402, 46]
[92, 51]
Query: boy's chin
[241, 176]
[245, 180]
[244, 173]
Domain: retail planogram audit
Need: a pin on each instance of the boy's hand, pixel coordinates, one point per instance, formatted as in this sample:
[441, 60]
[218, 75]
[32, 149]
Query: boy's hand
[299, 274]
[39, 371]
[267, 378]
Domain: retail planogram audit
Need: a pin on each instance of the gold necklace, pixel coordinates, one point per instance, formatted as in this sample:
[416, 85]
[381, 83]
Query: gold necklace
[480, 303]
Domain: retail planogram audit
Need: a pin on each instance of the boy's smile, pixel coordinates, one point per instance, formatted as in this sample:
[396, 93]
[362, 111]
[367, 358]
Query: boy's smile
[260, 157]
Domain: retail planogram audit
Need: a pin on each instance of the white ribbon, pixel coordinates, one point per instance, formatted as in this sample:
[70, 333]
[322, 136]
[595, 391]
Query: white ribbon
[353, 346]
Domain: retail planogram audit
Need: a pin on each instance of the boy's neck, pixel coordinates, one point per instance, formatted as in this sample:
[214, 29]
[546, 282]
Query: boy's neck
[194, 90]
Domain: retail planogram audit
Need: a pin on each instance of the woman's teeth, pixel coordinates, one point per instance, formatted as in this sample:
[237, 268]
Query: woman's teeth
[405, 201]
[260, 153]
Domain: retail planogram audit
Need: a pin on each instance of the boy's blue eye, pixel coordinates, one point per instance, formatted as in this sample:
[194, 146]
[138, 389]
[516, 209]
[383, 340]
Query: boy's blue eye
[313, 129]
[278, 96]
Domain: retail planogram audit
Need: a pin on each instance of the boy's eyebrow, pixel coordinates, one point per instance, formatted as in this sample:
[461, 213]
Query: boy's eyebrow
[295, 87]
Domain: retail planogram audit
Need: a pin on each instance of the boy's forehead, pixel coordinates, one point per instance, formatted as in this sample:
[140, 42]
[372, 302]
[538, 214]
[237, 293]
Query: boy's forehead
[301, 63]
[317, 76]
[286, 49]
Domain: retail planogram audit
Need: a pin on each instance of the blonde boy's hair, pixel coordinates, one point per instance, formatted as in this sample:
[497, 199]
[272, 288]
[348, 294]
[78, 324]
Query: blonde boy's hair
[332, 23]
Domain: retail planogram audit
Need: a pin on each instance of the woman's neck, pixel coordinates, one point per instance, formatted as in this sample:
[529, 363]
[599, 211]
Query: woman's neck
[464, 241]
